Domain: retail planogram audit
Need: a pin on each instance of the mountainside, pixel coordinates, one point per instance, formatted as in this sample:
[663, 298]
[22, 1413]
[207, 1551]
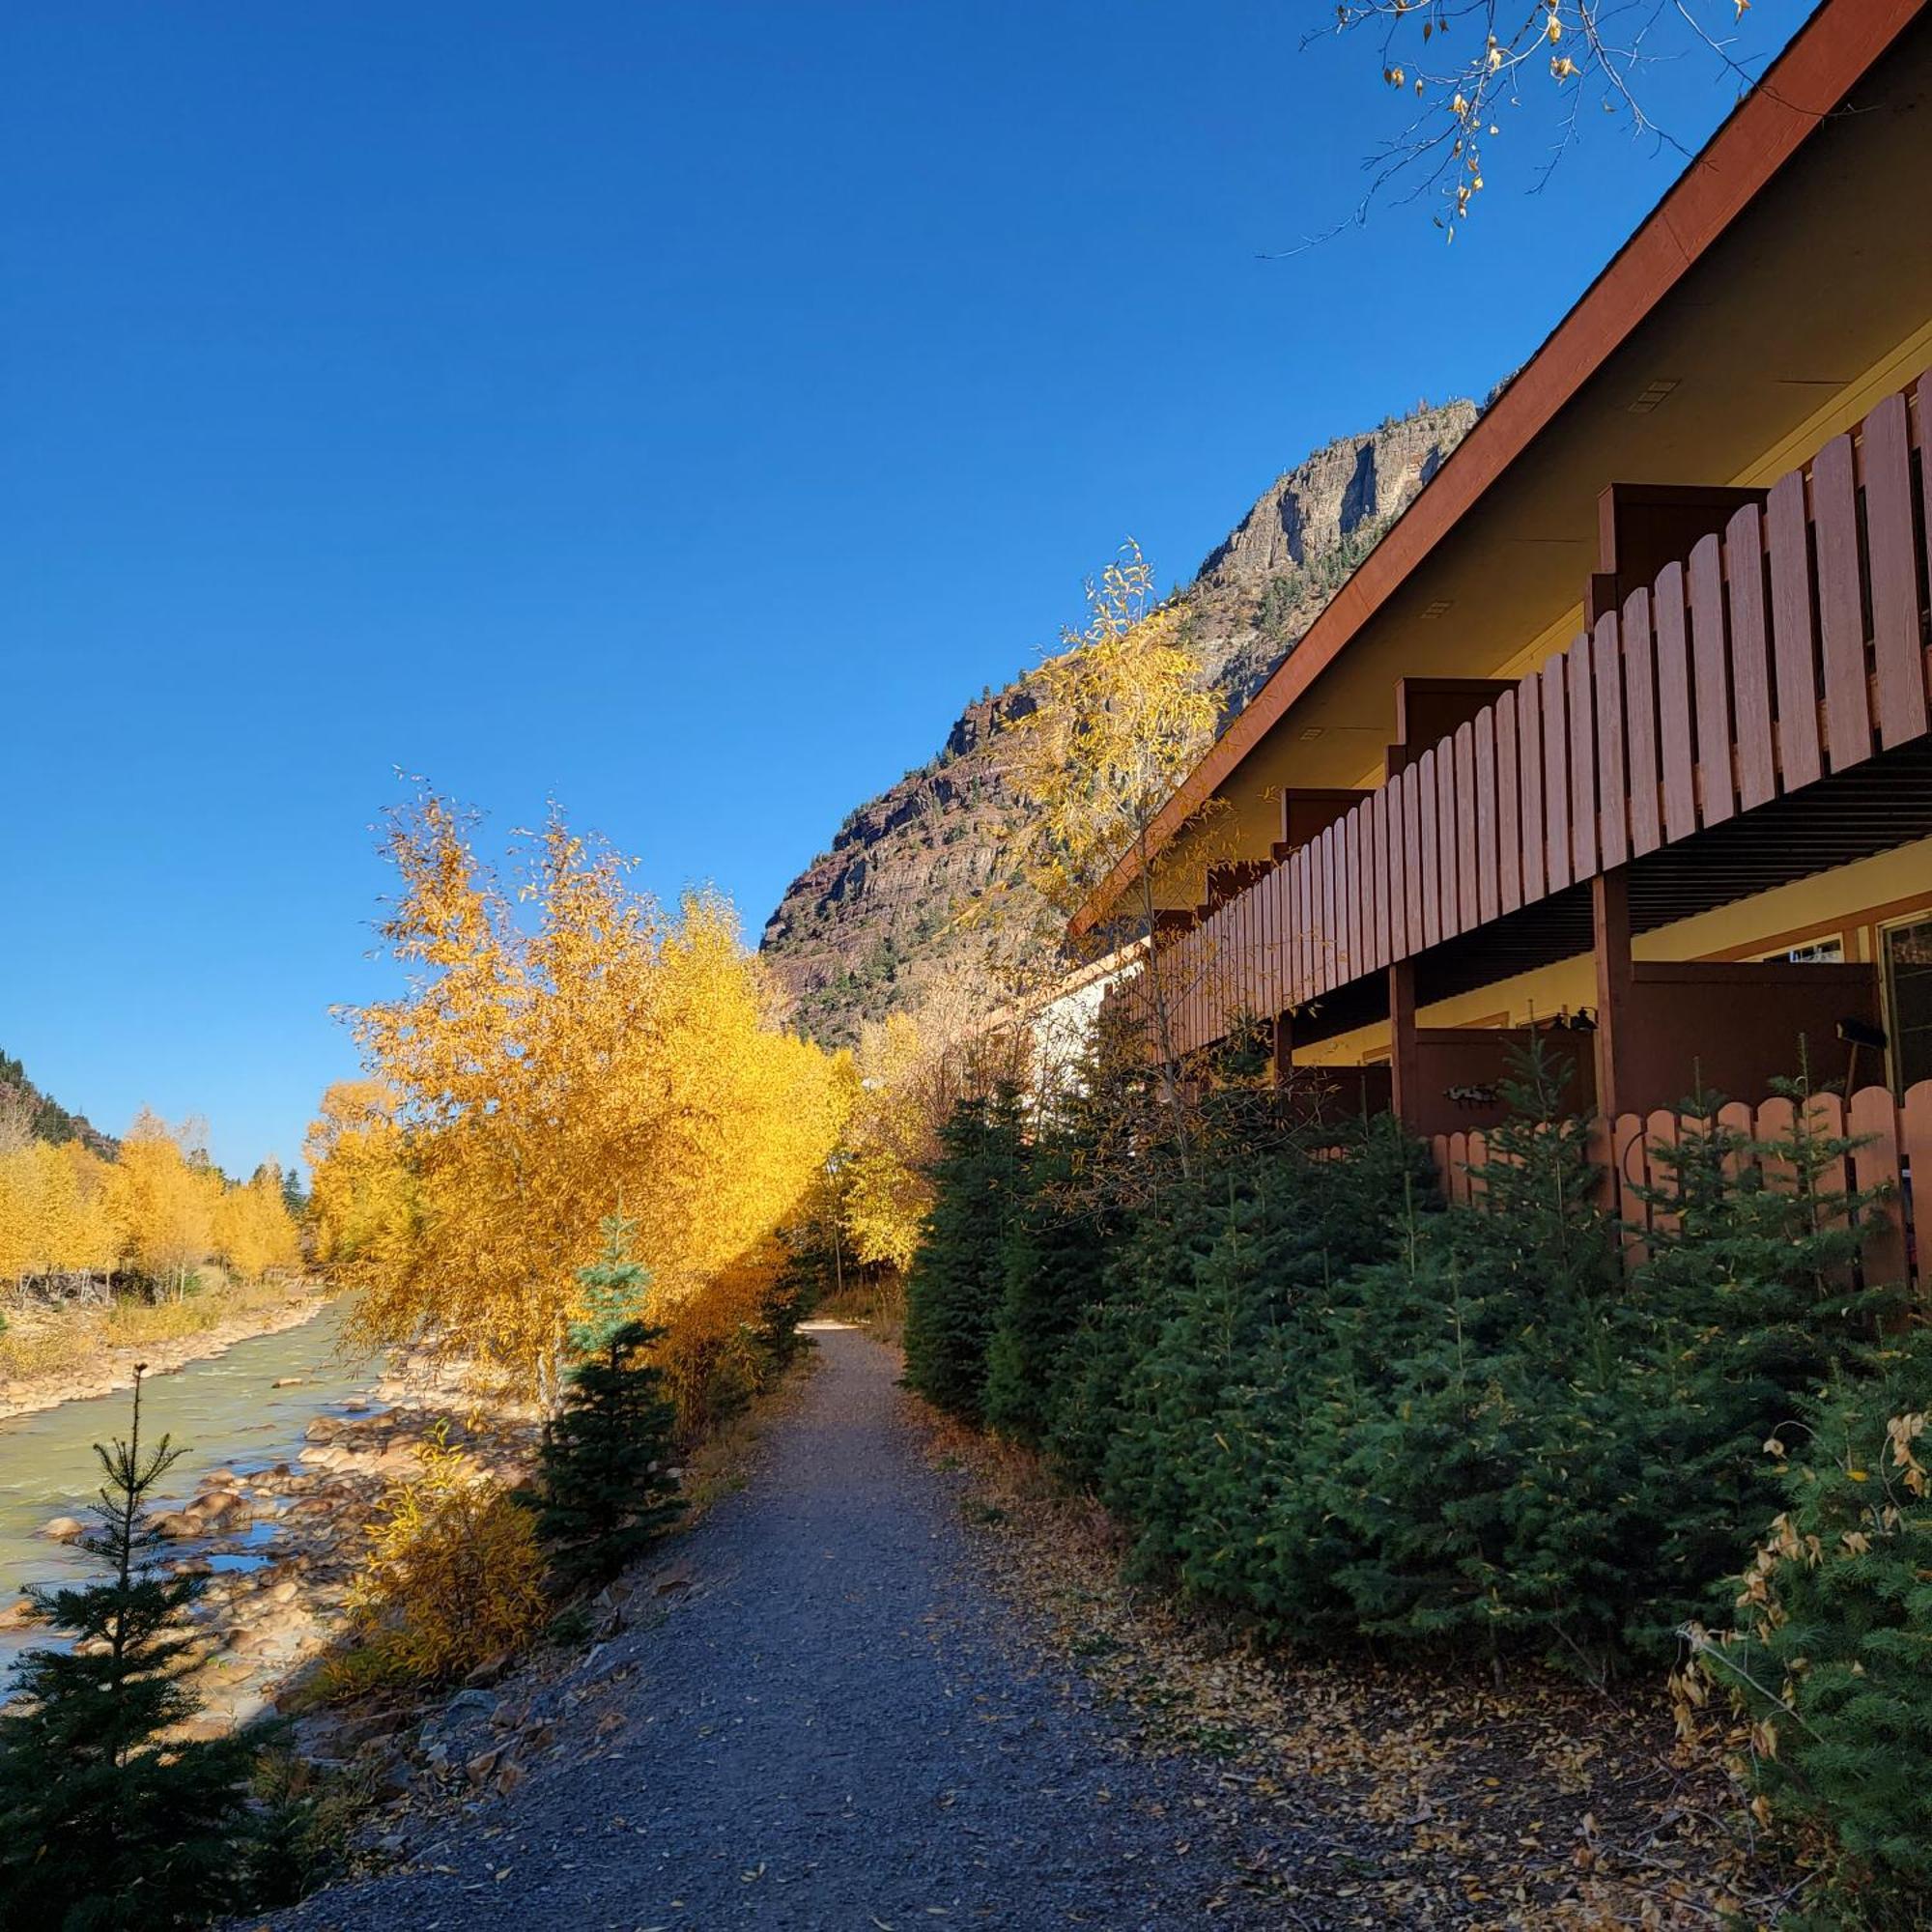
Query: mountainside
[870, 923]
[25, 1111]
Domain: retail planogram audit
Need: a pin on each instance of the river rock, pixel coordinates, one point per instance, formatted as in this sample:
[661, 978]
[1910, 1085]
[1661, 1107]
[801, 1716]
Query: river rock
[288, 1381]
[179, 1523]
[16, 1615]
[64, 1529]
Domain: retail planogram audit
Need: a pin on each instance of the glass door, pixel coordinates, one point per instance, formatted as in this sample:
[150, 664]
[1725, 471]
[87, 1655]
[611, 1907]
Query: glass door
[1907, 954]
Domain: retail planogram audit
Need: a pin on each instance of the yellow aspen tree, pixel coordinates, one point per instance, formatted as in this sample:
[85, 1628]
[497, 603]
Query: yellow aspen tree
[253, 1232]
[361, 1199]
[565, 1048]
[1120, 716]
[163, 1202]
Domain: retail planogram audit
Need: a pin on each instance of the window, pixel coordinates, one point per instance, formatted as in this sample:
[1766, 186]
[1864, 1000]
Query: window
[1815, 952]
[1906, 952]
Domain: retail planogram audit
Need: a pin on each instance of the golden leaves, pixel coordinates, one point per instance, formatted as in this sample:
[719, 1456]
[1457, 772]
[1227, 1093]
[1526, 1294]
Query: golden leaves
[568, 1048]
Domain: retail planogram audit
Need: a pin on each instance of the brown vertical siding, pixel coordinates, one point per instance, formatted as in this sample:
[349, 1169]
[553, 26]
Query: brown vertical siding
[1424, 769]
[1583, 760]
[1555, 777]
[1646, 818]
[1488, 897]
[1751, 657]
[1834, 513]
[1508, 808]
[1673, 705]
[1606, 662]
[1708, 680]
[1887, 459]
[1794, 632]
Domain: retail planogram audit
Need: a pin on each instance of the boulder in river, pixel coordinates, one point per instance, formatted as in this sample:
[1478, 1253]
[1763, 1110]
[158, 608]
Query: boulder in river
[64, 1529]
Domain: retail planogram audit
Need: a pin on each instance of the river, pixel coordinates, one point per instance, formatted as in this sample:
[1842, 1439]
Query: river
[226, 1411]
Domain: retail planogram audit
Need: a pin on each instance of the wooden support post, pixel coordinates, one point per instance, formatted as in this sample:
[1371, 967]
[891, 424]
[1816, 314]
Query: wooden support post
[1404, 1073]
[1284, 1050]
[1610, 923]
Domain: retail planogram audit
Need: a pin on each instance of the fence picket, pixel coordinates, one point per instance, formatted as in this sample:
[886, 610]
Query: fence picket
[1873, 1118]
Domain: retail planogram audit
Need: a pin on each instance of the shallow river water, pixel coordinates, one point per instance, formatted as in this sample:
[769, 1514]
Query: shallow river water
[226, 1411]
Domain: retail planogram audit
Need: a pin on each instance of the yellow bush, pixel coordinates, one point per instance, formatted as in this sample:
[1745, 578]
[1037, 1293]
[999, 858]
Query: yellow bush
[453, 1576]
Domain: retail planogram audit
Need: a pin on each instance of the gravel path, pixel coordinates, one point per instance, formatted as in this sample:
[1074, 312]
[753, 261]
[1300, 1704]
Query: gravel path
[840, 1725]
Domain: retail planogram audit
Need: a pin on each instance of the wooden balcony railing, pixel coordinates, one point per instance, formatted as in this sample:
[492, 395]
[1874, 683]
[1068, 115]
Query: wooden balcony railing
[1789, 648]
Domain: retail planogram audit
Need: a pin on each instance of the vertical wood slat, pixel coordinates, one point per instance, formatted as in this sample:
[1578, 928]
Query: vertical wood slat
[1607, 660]
[1529, 768]
[1478, 1157]
[1398, 906]
[1508, 808]
[1710, 681]
[1660, 1131]
[1774, 1118]
[1348, 886]
[1438, 1153]
[1676, 757]
[1794, 640]
[1298, 915]
[1750, 656]
[1627, 1173]
[1894, 573]
[1413, 882]
[1375, 868]
[1834, 517]
[1445, 835]
[1735, 1117]
[1325, 957]
[1873, 1118]
[1384, 879]
[1914, 1154]
[1488, 897]
[1582, 759]
[1459, 1169]
[1467, 911]
[1555, 777]
[1646, 818]
[1432, 849]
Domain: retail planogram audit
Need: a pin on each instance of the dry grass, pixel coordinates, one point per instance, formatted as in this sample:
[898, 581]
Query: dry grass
[42, 1345]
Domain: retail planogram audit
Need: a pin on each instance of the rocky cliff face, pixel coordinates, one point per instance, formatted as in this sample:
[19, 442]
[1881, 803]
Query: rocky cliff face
[873, 922]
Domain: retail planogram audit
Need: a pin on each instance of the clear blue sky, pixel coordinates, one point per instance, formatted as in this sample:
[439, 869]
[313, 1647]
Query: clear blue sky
[676, 409]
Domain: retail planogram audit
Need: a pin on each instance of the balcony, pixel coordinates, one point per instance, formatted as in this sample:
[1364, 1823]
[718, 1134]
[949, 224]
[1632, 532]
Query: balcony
[1753, 713]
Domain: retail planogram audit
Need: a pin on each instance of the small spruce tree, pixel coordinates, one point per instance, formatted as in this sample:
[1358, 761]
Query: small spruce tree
[958, 1278]
[106, 1821]
[605, 1492]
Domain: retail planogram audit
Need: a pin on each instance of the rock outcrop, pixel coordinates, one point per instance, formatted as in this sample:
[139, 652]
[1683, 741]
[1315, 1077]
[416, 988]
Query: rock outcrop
[873, 921]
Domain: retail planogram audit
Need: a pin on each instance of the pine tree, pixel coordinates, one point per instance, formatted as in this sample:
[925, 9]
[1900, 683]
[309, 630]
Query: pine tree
[605, 1493]
[104, 1824]
[1051, 1262]
[952, 1297]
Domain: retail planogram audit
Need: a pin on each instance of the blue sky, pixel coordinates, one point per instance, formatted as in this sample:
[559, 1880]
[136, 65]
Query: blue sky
[676, 409]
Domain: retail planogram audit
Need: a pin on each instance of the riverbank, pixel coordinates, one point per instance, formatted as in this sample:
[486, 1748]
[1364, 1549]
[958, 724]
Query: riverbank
[48, 1356]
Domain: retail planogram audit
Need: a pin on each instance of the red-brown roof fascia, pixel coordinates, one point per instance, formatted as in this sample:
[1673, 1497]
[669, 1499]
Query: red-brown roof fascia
[1818, 67]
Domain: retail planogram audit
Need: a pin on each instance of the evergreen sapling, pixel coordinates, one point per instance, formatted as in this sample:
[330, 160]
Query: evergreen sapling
[106, 1820]
[605, 1493]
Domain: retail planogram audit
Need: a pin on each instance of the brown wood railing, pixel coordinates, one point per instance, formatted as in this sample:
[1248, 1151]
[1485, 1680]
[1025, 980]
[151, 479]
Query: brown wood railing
[1790, 647]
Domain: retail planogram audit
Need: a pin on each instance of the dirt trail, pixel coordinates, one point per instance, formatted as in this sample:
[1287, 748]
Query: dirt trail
[840, 1725]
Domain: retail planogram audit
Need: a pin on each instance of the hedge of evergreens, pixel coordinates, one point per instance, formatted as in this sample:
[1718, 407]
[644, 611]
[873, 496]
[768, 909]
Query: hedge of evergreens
[1323, 1401]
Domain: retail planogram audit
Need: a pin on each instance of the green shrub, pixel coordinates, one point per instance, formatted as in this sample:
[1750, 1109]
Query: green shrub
[1830, 1652]
[956, 1282]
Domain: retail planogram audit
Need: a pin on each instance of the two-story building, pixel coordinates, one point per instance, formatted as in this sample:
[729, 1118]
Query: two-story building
[1625, 722]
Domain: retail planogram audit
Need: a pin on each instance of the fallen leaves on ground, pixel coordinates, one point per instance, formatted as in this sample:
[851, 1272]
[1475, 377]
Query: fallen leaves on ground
[1429, 1795]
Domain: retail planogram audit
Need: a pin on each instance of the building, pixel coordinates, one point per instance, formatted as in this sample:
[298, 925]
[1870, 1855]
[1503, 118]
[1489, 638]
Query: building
[1625, 722]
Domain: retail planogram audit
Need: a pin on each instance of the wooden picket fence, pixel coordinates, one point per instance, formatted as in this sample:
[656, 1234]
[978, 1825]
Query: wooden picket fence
[1896, 1149]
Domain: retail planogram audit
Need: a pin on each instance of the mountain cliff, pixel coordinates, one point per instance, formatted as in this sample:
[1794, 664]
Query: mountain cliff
[870, 925]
